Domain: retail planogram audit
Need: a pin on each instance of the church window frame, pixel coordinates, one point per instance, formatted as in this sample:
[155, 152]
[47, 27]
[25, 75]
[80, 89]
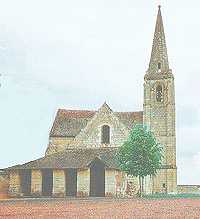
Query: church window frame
[159, 65]
[105, 134]
[159, 94]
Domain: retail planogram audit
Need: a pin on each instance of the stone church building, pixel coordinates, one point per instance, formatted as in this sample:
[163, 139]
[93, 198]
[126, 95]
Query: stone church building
[80, 159]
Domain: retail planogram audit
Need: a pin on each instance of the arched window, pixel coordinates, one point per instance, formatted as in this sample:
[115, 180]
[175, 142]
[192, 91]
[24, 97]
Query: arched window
[105, 134]
[159, 93]
[159, 65]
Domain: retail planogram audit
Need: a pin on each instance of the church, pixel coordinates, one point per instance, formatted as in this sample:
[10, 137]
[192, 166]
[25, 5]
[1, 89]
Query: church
[80, 159]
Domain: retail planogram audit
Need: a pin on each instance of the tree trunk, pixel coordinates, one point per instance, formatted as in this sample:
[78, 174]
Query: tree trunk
[140, 184]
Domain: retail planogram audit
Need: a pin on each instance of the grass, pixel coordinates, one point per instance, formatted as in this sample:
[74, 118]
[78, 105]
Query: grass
[172, 196]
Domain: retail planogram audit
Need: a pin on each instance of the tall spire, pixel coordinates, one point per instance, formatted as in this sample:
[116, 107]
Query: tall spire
[159, 58]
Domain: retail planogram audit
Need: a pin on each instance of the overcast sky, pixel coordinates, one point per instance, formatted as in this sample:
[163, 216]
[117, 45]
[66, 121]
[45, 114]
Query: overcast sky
[77, 54]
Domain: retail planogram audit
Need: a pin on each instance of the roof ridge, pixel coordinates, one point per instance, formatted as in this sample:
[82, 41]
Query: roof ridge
[69, 122]
[140, 111]
[97, 148]
[78, 110]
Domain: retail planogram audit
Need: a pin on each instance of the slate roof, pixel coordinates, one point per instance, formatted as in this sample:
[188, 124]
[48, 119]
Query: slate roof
[68, 123]
[73, 158]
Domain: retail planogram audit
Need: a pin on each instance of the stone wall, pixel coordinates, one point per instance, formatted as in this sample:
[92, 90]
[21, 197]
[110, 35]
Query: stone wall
[90, 136]
[4, 184]
[36, 182]
[188, 189]
[83, 182]
[160, 118]
[165, 181]
[59, 183]
[118, 184]
[14, 184]
[172, 180]
[57, 144]
[110, 183]
[160, 182]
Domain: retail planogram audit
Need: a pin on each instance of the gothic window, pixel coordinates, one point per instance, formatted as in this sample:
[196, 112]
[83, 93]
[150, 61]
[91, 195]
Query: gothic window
[159, 65]
[159, 93]
[105, 134]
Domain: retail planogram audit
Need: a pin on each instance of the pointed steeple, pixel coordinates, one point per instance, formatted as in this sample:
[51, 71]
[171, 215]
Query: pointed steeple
[159, 58]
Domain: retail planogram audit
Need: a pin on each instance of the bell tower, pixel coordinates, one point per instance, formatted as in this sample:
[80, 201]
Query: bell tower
[159, 108]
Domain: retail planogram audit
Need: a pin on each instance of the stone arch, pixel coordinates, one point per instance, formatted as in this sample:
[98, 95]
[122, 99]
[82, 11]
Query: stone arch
[159, 92]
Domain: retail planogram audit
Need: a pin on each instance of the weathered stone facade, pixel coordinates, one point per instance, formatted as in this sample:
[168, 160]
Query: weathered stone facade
[4, 184]
[91, 136]
[57, 144]
[59, 189]
[159, 109]
[83, 182]
[110, 183]
[36, 182]
[14, 184]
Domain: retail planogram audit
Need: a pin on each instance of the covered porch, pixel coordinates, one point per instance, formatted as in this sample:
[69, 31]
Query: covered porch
[78, 173]
[64, 182]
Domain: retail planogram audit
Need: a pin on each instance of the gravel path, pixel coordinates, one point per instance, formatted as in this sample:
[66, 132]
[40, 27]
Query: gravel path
[100, 208]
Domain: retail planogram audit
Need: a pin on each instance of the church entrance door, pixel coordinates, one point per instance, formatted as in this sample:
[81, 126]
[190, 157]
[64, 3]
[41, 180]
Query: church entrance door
[97, 178]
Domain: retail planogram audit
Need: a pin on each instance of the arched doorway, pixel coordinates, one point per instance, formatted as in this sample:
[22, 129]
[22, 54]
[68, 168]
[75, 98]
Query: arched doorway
[97, 178]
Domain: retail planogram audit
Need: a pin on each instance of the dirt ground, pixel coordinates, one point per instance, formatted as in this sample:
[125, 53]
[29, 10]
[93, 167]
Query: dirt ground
[100, 208]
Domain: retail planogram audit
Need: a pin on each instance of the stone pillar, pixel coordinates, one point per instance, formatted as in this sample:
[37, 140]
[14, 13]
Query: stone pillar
[36, 182]
[110, 182]
[83, 182]
[148, 185]
[59, 189]
[14, 184]
[171, 181]
[160, 181]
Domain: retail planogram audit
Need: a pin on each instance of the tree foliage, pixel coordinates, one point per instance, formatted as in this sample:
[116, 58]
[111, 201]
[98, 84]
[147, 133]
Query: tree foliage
[141, 154]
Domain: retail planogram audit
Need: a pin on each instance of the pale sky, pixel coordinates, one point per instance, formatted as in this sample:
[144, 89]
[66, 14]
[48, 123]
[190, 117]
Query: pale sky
[77, 54]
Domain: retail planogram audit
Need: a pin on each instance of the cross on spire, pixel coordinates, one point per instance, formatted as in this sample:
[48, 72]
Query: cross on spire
[159, 58]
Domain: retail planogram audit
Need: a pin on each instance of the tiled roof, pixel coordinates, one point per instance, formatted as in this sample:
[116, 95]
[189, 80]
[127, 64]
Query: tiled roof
[68, 123]
[73, 158]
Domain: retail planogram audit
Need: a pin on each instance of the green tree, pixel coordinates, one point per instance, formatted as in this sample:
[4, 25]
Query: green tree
[140, 155]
